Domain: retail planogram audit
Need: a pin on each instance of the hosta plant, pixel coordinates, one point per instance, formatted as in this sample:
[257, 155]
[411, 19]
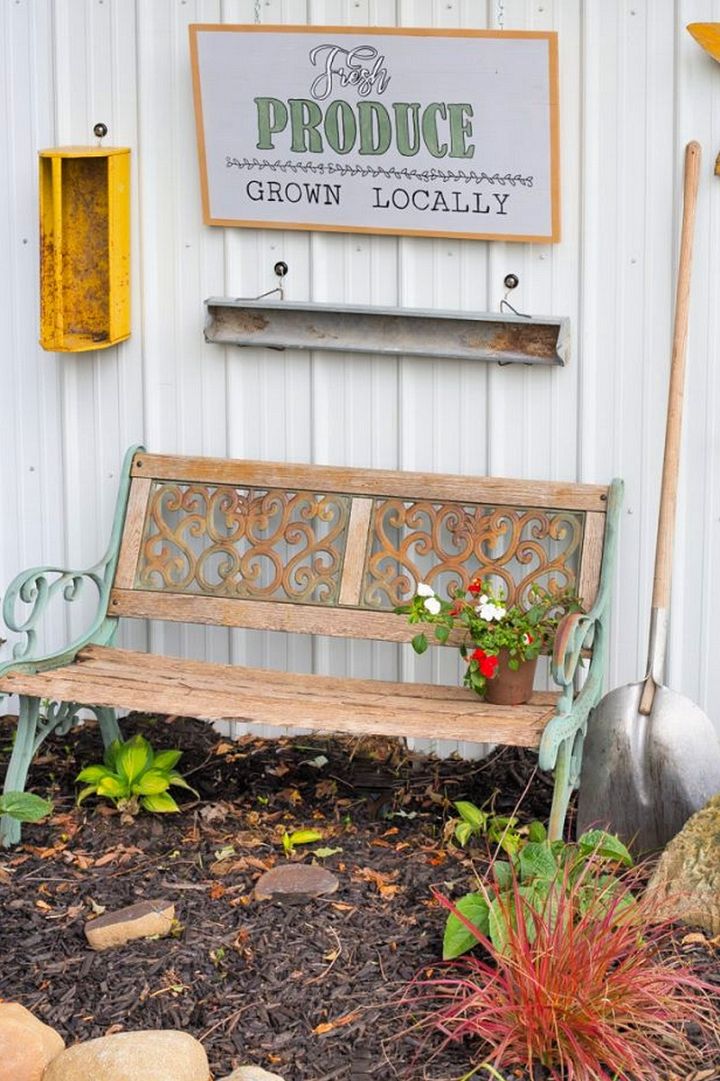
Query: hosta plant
[537, 870]
[588, 986]
[133, 776]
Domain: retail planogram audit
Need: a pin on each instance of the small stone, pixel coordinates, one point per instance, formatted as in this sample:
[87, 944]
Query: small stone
[252, 1073]
[27, 1045]
[294, 883]
[151, 1055]
[686, 881]
[140, 920]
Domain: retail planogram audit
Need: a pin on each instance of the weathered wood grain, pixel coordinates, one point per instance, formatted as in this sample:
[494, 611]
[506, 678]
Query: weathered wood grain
[125, 679]
[355, 550]
[132, 532]
[559, 495]
[591, 558]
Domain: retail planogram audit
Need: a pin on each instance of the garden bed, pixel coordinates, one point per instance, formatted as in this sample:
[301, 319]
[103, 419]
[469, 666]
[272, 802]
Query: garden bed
[308, 991]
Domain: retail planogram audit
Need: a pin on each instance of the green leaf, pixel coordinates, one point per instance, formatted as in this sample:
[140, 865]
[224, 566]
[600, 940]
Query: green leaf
[501, 910]
[166, 759]
[472, 815]
[88, 791]
[162, 803]
[24, 806]
[111, 754]
[179, 781]
[419, 643]
[442, 633]
[537, 861]
[463, 832]
[537, 832]
[112, 786]
[605, 845]
[503, 874]
[304, 837]
[457, 939]
[93, 774]
[323, 853]
[535, 899]
[151, 783]
[133, 758]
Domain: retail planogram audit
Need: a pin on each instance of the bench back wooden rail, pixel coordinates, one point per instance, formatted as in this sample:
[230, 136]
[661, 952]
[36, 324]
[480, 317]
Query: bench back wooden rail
[333, 551]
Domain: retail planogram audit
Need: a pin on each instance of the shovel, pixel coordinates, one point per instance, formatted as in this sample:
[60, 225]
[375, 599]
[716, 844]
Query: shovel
[652, 757]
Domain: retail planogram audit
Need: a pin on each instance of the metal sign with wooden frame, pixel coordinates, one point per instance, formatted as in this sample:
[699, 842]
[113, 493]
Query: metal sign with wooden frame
[405, 131]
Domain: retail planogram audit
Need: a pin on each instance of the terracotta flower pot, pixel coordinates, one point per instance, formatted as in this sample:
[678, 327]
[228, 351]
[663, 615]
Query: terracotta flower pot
[508, 687]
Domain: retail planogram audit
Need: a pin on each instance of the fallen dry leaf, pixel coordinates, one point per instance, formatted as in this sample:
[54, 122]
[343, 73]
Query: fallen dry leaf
[384, 883]
[694, 939]
[328, 1026]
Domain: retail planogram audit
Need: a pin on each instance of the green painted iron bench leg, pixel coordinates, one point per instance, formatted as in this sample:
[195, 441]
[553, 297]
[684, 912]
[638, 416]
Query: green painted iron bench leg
[32, 730]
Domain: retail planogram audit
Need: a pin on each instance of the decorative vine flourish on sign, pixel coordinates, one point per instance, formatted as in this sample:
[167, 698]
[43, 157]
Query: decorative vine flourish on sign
[341, 169]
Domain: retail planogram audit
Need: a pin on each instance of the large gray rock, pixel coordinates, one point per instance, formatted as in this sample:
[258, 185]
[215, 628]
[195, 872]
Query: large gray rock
[150, 1055]
[687, 878]
[27, 1045]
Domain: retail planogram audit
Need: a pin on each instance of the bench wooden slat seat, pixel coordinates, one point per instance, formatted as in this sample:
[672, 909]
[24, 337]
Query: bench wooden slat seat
[112, 677]
[318, 550]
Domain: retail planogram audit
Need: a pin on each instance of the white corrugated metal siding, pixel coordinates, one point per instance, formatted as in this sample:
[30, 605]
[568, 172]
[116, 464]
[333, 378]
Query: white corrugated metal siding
[634, 89]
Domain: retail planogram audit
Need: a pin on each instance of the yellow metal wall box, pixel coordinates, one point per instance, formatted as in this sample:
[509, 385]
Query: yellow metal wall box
[84, 247]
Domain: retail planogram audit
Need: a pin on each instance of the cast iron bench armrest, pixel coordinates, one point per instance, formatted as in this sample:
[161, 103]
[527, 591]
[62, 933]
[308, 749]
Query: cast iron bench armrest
[37, 587]
[584, 630]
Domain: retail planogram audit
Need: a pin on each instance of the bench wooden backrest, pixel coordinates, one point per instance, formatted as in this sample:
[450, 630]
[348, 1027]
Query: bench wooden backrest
[326, 550]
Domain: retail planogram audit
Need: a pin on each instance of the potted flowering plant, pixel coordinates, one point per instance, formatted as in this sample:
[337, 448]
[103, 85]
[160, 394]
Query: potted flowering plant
[500, 644]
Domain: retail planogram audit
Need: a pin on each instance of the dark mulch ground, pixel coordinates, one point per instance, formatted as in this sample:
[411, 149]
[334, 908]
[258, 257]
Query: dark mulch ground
[305, 991]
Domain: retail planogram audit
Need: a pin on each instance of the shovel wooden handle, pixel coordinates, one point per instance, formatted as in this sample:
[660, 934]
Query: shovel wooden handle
[673, 427]
[673, 430]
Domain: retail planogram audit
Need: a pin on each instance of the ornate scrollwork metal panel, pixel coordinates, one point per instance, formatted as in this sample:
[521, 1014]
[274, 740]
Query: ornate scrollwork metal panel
[256, 544]
[449, 544]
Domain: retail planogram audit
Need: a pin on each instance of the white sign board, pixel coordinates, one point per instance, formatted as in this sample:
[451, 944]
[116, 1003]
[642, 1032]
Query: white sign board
[377, 130]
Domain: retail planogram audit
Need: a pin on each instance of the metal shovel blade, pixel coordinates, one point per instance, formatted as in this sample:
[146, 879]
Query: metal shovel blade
[644, 776]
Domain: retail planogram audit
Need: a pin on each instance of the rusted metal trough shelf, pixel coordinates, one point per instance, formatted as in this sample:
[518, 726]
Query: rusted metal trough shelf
[507, 339]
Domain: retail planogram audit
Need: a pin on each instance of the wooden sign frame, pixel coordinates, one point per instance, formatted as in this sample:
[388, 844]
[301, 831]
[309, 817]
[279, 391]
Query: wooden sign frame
[550, 209]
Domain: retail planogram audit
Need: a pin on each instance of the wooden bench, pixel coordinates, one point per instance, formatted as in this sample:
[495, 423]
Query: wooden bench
[322, 551]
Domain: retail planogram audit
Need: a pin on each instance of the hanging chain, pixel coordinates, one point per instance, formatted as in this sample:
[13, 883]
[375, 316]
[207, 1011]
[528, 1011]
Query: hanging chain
[501, 14]
[257, 10]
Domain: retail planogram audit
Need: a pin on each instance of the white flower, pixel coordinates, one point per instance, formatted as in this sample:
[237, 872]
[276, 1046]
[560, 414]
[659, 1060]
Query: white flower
[433, 605]
[483, 599]
[490, 612]
[424, 590]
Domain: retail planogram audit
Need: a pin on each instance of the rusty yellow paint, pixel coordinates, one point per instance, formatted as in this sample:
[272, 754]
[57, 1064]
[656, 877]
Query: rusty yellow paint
[707, 35]
[84, 247]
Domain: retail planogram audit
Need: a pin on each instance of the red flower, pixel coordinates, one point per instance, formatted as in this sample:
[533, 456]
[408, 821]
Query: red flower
[456, 608]
[486, 663]
[488, 666]
[475, 587]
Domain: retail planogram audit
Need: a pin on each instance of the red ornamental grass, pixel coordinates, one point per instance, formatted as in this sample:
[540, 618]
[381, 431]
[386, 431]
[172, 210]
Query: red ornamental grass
[588, 988]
